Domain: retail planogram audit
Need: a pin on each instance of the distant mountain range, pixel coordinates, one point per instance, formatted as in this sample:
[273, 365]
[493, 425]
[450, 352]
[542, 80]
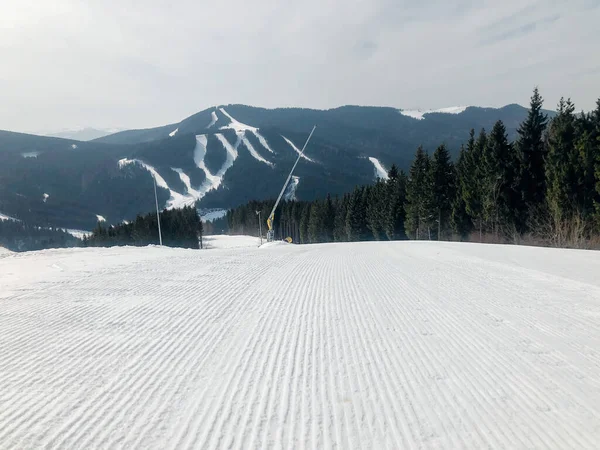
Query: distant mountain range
[80, 134]
[221, 157]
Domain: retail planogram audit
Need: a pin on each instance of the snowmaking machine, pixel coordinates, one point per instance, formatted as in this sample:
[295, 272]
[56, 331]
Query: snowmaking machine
[271, 218]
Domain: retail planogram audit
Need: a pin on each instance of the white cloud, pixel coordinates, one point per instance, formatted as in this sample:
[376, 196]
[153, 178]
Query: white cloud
[110, 63]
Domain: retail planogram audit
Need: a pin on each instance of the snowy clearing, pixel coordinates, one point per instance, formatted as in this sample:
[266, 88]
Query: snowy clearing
[296, 149]
[31, 154]
[45, 197]
[254, 153]
[223, 241]
[380, 171]
[213, 181]
[79, 234]
[100, 218]
[365, 345]
[419, 114]
[174, 132]
[74, 146]
[213, 214]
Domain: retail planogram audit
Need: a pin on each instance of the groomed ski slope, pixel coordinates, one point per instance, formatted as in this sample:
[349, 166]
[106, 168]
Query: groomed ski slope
[369, 345]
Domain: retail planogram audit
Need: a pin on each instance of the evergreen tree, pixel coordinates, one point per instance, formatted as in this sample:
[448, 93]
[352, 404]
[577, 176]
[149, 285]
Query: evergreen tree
[376, 209]
[339, 232]
[396, 198]
[304, 238]
[443, 189]
[561, 167]
[596, 141]
[532, 154]
[500, 181]
[418, 197]
[328, 211]
[356, 223]
[461, 221]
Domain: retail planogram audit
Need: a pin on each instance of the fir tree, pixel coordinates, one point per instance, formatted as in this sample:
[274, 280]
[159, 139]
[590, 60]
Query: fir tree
[418, 197]
[356, 215]
[339, 232]
[532, 154]
[304, 238]
[396, 198]
[561, 167]
[443, 189]
[461, 221]
[500, 180]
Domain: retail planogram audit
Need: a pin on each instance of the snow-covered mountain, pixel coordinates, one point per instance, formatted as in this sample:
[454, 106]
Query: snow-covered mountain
[221, 157]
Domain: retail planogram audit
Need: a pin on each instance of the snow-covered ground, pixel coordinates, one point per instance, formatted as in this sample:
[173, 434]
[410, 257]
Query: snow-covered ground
[223, 241]
[380, 171]
[210, 215]
[5, 217]
[174, 132]
[419, 114]
[366, 345]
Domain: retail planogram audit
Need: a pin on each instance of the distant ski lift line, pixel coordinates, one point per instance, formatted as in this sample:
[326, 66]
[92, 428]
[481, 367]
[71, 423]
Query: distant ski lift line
[272, 215]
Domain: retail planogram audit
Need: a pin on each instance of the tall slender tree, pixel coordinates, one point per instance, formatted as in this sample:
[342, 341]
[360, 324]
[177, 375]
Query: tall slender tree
[532, 154]
[443, 189]
[418, 197]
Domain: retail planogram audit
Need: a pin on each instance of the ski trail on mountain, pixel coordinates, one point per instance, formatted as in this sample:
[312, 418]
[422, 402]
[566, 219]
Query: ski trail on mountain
[253, 151]
[241, 129]
[296, 149]
[348, 345]
[187, 182]
[213, 120]
[213, 181]
[176, 200]
[380, 171]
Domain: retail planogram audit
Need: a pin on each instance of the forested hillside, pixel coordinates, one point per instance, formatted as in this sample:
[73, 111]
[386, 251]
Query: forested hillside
[541, 188]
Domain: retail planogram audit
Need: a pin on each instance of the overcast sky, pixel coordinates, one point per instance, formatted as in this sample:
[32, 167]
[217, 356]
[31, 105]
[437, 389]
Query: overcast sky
[142, 63]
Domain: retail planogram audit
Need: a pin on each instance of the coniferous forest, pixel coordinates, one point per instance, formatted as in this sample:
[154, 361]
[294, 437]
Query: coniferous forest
[179, 227]
[541, 189]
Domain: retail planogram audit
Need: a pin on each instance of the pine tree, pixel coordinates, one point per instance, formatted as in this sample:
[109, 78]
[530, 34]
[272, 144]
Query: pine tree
[500, 181]
[561, 167]
[304, 238]
[339, 231]
[596, 135]
[443, 189]
[315, 223]
[461, 221]
[532, 154]
[356, 215]
[418, 197]
[376, 206]
[396, 198]
[328, 211]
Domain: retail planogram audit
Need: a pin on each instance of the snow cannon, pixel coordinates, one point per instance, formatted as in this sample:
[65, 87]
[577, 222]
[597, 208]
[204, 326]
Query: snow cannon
[271, 218]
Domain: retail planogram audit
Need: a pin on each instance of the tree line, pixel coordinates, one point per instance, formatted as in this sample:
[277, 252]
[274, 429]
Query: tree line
[179, 227]
[20, 237]
[542, 188]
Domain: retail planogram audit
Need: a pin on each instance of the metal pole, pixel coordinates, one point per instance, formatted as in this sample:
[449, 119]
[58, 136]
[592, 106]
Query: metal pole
[157, 214]
[259, 226]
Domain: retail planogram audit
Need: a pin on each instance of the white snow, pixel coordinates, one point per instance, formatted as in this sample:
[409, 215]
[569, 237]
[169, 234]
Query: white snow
[74, 146]
[5, 217]
[290, 193]
[176, 200]
[100, 218]
[380, 171]
[4, 252]
[363, 345]
[419, 114]
[296, 149]
[213, 214]
[188, 183]
[253, 151]
[213, 119]
[79, 234]
[221, 242]
[213, 181]
[31, 154]
[174, 132]
[241, 129]
[45, 197]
